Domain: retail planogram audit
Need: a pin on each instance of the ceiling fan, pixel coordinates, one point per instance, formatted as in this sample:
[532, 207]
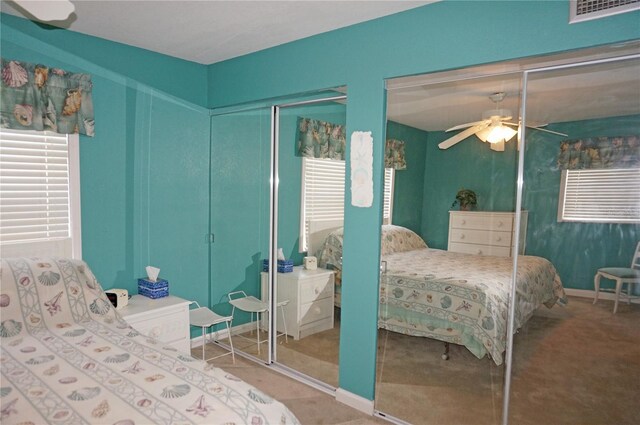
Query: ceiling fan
[494, 128]
[46, 10]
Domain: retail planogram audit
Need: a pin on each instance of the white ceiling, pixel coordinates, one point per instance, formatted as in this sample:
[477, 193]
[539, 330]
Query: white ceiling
[212, 31]
[435, 102]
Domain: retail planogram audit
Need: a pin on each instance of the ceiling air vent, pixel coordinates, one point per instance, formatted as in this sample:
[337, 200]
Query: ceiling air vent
[584, 10]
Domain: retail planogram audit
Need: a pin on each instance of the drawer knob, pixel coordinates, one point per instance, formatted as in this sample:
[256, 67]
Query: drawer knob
[317, 310]
[479, 252]
[316, 290]
[500, 224]
[155, 332]
[462, 236]
[498, 239]
[463, 222]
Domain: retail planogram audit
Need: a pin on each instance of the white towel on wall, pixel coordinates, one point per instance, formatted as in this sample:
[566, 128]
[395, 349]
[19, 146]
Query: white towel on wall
[361, 169]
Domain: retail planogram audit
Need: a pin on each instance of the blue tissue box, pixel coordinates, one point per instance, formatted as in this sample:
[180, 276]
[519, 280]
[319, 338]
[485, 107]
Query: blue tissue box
[284, 266]
[150, 289]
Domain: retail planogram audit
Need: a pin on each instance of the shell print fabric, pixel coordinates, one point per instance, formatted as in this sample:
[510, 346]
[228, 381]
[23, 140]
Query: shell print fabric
[67, 357]
[36, 97]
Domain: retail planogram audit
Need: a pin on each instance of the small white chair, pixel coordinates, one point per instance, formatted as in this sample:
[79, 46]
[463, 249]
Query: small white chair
[204, 318]
[621, 275]
[253, 305]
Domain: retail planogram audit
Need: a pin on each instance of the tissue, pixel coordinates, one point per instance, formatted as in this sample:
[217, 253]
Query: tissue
[152, 273]
[280, 254]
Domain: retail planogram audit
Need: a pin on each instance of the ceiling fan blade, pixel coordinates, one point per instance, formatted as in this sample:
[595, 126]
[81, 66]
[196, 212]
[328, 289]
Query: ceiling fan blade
[469, 124]
[47, 10]
[462, 135]
[537, 127]
[548, 131]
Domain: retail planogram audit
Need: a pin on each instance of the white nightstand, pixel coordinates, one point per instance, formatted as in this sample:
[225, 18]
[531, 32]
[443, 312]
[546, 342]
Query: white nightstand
[310, 295]
[166, 319]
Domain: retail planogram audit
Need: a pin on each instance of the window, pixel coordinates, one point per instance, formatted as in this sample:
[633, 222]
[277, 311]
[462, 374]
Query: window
[600, 195]
[323, 194]
[39, 194]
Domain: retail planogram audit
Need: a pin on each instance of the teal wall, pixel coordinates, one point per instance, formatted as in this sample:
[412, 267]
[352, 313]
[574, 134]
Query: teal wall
[130, 83]
[440, 36]
[409, 183]
[576, 249]
[144, 176]
[469, 164]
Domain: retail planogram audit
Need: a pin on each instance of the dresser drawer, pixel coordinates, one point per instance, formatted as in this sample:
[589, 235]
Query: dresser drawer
[315, 311]
[316, 288]
[482, 222]
[482, 237]
[499, 251]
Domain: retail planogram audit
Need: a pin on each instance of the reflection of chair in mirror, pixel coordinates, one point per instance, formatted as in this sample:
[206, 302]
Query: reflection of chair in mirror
[621, 275]
[204, 318]
[250, 304]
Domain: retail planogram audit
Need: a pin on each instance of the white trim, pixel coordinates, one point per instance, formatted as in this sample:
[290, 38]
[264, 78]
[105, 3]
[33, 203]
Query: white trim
[604, 295]
[353, 400]
[75, 211]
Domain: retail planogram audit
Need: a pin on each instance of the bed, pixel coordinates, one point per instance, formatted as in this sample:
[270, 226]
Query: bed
[68, 357]
[452, 297]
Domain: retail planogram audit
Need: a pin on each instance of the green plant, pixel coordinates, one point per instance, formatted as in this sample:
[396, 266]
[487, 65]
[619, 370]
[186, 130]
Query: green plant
[466, 198]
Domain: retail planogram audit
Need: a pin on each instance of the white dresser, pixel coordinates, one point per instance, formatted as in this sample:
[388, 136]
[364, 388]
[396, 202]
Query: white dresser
[485, 232]
[165, 319]
[310, 295]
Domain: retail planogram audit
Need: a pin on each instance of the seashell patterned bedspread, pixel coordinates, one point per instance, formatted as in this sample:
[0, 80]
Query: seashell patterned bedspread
[463, 298]
[68, 357]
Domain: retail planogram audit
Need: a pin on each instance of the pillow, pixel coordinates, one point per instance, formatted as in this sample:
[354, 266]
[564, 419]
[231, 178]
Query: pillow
[399, 239]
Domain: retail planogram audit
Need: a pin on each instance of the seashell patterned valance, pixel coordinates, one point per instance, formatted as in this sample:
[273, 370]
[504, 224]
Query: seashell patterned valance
[321, 139]
[394, 155]
[36, 97]
[600, 152]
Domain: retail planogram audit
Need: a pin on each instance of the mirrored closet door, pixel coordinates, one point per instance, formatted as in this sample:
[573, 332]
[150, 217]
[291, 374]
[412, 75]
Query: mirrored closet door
[446, 255]
[240, 211]
[311, 145]
[579, 361]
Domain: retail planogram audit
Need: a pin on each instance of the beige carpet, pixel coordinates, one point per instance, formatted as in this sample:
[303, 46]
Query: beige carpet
[574, 365]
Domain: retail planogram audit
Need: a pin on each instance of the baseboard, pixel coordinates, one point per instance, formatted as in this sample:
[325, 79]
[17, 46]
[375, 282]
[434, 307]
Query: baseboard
[222, 333]
[588, 293]
[353, 400]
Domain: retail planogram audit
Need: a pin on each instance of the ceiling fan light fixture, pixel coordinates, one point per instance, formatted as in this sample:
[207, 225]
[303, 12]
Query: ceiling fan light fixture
[496, 134]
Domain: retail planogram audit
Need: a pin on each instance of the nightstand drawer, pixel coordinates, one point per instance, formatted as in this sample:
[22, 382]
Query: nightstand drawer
[316, 288]
[483, 237]
[166, 328]
[316, 310]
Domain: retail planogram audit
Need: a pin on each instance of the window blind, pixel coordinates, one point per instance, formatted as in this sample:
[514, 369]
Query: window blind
[323, 193]
[600, 195]
[34, 186]
[388, 195]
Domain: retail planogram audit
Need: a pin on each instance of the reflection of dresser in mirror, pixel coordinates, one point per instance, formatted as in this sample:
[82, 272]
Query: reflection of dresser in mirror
[310, 295]
[485, 232]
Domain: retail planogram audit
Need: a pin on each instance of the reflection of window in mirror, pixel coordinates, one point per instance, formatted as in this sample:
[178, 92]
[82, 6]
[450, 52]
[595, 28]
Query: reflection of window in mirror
[322, 199]
[600, 195]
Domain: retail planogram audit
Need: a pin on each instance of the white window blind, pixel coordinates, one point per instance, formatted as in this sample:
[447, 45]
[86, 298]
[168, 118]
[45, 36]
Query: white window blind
[387, 214]
[35, 195]
[600, 195]
[323, 194]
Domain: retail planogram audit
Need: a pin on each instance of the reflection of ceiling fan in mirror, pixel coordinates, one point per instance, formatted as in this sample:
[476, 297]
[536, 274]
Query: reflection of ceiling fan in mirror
[46, 10]
[494, 128]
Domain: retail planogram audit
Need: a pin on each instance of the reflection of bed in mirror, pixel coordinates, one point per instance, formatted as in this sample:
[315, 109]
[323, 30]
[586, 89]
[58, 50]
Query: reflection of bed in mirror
[452, 297]
[69, 357]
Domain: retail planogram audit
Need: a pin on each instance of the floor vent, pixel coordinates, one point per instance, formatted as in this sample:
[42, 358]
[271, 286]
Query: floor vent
[584, 10]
